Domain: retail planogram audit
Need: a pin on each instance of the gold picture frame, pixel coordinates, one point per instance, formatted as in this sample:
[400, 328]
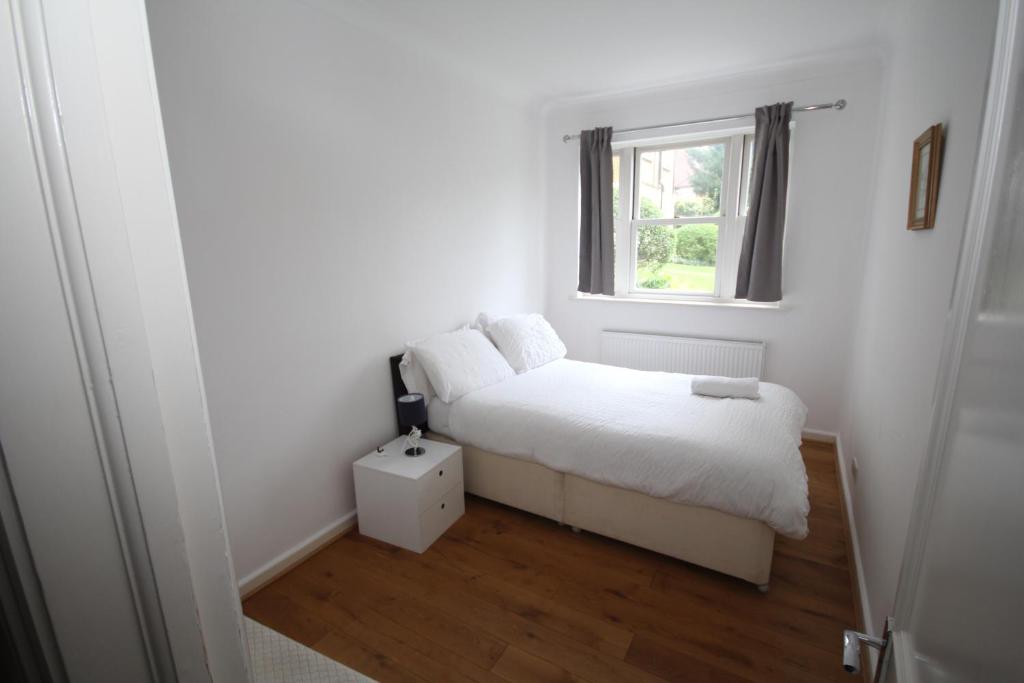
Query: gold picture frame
[924, 179]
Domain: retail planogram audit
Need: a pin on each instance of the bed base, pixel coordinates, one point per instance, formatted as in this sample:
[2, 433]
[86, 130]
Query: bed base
[732, 545]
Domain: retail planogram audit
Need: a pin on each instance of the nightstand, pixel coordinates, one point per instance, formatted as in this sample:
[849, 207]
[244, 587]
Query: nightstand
[409, 502]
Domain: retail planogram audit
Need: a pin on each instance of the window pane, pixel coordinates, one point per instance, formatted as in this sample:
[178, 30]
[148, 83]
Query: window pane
[680, 182]
[677, 258]
[615, 186]
[748, 169]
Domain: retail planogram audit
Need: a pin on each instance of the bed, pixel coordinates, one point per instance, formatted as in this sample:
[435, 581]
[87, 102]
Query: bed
[634, 456]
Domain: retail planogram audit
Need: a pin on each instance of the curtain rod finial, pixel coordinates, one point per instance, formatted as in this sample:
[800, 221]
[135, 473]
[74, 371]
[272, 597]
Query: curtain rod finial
[839, 105]
[567, 138]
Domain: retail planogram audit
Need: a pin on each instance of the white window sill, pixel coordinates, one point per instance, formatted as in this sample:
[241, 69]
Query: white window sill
[717, 303]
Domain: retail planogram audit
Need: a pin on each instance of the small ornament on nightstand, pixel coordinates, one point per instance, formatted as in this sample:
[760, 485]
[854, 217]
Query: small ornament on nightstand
[413, 442]
[412, 412]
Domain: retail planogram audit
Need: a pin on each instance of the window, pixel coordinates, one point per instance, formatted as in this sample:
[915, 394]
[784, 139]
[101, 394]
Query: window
[680, 206]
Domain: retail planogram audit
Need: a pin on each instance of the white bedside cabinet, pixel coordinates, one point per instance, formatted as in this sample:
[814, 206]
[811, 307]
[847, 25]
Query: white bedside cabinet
[409, 502]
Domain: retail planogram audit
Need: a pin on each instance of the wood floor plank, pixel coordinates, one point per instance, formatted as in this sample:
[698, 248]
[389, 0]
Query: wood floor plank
[684, 619]
[524, 545]
[630, 604]
[591, 631]
[650, 655]
[505, 595]
[814, 548]
[573, 550]
[825, 508]
[366, 661]
[776, 611]
[275, 611]
[522, 667]
[818, 451]
[366, 626]
[441, 589]
[820, 589]
[376, 594]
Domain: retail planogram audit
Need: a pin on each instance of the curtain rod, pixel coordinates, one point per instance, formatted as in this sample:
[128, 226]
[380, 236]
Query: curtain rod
[838, 105]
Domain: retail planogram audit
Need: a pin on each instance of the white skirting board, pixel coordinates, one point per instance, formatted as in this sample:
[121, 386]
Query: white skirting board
[869, 625]
[253, 581]
[844, 480]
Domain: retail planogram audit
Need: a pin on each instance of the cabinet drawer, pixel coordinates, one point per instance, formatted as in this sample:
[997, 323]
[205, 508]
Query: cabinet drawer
[437, 481]
[437, 517]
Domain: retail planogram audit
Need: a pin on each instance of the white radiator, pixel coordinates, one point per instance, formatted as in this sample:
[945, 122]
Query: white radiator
[688, 355]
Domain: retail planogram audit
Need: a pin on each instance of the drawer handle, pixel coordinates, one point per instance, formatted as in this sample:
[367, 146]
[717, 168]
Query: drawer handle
[440, 473]
[442, 506]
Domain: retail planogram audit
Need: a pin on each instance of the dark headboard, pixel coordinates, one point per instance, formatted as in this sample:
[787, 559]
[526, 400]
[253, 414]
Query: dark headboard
[398, 389]
[397, 385]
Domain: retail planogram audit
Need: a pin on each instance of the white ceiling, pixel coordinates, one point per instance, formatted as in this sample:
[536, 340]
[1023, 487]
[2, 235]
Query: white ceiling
[560, 49]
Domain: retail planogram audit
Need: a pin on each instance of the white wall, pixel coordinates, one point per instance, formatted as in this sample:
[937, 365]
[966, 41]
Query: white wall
[936, 73]
[831, 171]
[337, 196]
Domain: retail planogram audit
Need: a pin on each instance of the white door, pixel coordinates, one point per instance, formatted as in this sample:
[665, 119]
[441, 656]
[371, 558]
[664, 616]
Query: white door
[960, 602]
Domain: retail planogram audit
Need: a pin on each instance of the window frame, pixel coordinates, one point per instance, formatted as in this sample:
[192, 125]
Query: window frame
[730, 222]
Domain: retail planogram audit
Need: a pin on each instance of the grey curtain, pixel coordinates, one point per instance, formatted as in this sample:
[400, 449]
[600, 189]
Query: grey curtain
[760, 272]
[597, 253]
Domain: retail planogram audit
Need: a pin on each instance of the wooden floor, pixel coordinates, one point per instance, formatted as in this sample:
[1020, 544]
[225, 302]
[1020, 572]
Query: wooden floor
[507, 596]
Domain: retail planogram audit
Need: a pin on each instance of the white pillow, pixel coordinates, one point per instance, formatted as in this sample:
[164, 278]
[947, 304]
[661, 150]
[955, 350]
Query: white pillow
[484, 320]
[527, 341]
[414, 377]
[460, 362]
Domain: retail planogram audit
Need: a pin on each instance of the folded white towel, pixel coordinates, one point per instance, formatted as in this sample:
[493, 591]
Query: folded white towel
[725, 387]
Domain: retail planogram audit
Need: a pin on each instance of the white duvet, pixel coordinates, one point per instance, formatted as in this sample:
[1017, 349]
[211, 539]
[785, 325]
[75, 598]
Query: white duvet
[646, 432]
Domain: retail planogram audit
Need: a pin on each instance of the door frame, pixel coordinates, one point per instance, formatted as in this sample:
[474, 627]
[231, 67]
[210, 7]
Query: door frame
[90, 104]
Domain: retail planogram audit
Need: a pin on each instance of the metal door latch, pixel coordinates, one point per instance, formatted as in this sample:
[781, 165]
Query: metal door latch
[851, 648]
